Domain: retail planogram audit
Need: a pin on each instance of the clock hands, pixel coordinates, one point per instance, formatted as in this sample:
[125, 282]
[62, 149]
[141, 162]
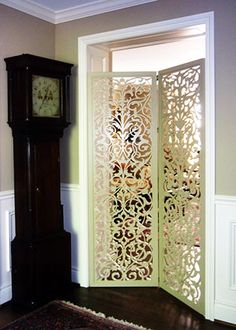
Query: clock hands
[45, 97]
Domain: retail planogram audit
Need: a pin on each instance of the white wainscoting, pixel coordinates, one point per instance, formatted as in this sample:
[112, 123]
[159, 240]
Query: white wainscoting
[70, 201]
[7, 233]
[225, 259]
[225, 246]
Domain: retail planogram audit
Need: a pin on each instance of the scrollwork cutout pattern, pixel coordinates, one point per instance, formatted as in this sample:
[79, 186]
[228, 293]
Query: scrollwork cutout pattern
[180, 184]
[122, 182]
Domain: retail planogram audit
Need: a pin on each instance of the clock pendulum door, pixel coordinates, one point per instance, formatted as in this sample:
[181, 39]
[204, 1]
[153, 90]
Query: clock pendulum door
[41, 250]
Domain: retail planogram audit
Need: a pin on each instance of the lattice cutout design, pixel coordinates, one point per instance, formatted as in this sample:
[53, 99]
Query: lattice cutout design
[123, 189]
[181, 181]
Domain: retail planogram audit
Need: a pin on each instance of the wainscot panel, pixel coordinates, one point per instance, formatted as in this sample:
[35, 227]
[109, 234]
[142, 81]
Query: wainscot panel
[7, 233]
[225, 258]
[70, 198]
[70, 201]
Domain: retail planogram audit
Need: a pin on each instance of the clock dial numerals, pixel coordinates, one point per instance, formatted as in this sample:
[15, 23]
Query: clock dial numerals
[45, 96]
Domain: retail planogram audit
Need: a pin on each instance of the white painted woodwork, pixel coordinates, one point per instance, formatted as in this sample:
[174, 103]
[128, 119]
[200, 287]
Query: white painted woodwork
[142, 31]
[123, 191]
[98, 59]
[7, 233]
[225, 258]
[53, 12]
[69, 197]
[69, 200]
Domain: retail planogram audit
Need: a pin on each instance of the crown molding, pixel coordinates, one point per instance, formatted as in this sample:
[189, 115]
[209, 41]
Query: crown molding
[31, 8]
[94, 8]
[91, 8]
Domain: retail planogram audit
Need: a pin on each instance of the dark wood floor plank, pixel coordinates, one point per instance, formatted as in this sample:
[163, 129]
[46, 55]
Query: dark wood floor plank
[150, 307]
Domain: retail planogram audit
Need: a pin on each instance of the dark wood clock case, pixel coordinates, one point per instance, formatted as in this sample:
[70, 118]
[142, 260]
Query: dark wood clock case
[41, 250]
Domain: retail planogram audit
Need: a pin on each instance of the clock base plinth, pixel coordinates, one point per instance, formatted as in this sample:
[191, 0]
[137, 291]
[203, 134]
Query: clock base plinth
[41, 270]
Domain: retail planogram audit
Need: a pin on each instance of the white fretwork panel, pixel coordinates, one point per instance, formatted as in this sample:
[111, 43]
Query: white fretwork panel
[122, 193]
[182, 182]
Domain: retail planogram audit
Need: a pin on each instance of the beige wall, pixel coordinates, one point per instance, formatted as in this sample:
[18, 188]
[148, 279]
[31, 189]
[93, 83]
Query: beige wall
[225, 59]
[19, 33]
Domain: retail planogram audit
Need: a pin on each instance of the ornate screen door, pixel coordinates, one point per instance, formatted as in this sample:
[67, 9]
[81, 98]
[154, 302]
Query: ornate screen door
[181, 183]
[123, 181]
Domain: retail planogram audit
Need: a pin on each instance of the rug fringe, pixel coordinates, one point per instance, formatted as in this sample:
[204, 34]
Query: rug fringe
[82, 307]
[138, 327]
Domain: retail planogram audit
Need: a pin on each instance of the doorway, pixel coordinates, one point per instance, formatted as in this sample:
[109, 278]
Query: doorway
[127, 33]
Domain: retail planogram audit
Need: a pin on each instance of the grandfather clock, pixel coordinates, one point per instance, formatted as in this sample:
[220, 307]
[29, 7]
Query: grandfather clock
[38, 105]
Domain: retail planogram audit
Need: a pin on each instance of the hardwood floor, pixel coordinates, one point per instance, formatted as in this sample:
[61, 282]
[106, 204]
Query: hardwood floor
[150, 307]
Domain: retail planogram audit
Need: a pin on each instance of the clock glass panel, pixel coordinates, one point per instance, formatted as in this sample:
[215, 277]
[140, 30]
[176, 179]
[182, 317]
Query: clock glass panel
[46, 96]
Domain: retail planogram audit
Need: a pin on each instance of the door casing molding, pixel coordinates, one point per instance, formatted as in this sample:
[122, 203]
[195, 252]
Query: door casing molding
[137, 31]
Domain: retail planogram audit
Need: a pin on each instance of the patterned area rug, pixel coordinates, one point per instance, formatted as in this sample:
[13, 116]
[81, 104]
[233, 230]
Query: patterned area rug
[59, 315]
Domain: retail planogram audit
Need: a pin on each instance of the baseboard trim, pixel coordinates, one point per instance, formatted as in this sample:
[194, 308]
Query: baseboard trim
[5, 294]
[225, 312]
[75, 275]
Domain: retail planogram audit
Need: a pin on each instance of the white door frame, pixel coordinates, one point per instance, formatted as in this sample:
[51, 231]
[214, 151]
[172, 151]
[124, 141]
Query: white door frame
[137, 31]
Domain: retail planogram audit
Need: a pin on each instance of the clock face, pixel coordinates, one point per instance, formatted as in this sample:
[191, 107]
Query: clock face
[46, 97]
